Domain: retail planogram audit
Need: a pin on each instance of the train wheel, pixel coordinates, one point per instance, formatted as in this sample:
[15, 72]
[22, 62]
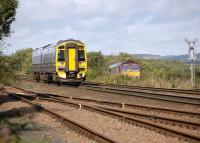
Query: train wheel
[84, 79]
[38, 77]
[59, 83]
[77, 84]
[50, 79]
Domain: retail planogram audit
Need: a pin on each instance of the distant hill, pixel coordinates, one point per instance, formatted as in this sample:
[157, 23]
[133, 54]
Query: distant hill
[147, 56]
[181, 58]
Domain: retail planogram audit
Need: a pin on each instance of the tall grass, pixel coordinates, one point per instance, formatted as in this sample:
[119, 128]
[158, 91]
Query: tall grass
[151, 82]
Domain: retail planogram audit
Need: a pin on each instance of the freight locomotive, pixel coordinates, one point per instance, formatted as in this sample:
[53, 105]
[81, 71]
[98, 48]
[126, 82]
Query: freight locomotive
[128, 68]
[64, 62]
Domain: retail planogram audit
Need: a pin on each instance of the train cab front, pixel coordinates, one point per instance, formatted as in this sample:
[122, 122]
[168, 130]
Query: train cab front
[71, 62]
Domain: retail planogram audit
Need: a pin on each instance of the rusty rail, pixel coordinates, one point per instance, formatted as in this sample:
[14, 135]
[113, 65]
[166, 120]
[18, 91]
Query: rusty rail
[147, 124]
[99, 137]
[172, 90]
[118, 104]
[149, 95]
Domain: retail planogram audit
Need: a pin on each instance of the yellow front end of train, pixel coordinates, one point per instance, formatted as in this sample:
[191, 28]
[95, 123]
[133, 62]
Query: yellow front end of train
[131, 73]
[71, 61]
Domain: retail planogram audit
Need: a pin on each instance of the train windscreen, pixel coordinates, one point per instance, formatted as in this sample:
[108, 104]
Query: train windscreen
[134, 68]
[81, 55]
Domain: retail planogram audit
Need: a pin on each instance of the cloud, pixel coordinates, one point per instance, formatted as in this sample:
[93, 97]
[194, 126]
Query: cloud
[21, 34]
[145, 26]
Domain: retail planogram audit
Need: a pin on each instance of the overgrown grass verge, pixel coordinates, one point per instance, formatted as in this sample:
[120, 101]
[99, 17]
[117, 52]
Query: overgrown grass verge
[151, 81]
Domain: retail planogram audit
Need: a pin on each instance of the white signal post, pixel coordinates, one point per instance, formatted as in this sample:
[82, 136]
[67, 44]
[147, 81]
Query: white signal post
[192, 58]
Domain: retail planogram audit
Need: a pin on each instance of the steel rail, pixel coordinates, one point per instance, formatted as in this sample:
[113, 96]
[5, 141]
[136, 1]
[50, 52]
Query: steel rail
[99, 137]
[118, 104]
[180, 122]
[121, 104]
[172, 90]
[167, 120]
[156, 96]
[126, 118]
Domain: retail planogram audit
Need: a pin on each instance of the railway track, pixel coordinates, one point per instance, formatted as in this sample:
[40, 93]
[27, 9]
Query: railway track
[192, 100]
[117, 104]
[188, 124]
[153, 89]
[160, 124]
[82, 129]
[169, 90]
[168, 95]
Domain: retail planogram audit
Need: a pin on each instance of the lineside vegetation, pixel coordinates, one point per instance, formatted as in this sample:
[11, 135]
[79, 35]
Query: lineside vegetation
[14, 65]
[155, 73]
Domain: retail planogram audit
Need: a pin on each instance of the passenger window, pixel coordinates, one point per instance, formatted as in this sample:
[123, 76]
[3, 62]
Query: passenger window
[61, 55]
[81, 55]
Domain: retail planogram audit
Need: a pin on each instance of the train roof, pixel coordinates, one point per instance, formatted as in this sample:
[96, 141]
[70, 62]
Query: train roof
[68, 40]
[46, 46]
[59, 42]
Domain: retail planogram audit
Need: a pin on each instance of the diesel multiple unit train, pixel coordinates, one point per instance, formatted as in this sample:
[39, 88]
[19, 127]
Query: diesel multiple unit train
[64, 62]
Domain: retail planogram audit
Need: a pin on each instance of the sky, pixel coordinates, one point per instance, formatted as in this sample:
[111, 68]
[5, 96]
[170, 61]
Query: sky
[109, 26]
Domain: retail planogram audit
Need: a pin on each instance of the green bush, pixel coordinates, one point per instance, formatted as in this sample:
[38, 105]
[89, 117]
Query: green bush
[96, 65]
[15, 64]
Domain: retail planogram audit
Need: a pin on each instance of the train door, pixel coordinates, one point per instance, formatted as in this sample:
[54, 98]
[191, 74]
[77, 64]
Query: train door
[72, 59]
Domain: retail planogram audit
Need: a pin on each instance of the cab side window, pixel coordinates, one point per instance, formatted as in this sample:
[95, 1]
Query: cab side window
[61, 54]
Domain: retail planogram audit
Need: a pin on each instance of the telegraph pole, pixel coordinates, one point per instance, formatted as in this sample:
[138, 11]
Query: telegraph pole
[192, 58]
